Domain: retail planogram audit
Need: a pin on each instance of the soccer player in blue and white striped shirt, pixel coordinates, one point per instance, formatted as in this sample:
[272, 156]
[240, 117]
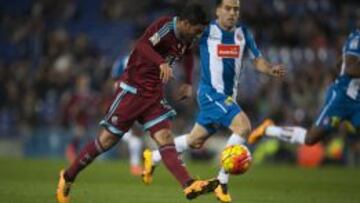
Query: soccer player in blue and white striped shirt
[342, 103]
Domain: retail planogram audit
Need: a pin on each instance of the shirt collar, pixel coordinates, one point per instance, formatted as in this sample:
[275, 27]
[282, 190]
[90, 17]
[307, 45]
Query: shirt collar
[177, 34]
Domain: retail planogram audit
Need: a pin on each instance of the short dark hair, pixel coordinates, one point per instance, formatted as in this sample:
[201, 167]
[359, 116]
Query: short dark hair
[218, 3]
[195, 14]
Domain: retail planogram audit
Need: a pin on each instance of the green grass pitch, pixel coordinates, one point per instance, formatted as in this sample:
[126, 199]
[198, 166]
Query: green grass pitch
[34, 181]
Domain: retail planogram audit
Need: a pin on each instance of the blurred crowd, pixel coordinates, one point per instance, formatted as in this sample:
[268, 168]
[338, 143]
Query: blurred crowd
[51, 75]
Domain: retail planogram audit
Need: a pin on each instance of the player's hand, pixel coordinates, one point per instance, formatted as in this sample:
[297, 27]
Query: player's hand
[278, 71]
[184, 92]
[166, 72]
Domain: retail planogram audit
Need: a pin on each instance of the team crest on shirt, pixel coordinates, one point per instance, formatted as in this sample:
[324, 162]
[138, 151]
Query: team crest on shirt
[229, 101]
[228, 50]
[114, 119]
[165, 104]
[239, 37]
[155, 39]
[335, 121]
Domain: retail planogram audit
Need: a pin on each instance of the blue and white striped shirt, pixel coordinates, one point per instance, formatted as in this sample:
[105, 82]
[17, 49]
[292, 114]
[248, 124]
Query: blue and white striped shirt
[221, 54]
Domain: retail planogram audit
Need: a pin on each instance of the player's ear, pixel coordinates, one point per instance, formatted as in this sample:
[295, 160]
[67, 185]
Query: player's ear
[217, 11]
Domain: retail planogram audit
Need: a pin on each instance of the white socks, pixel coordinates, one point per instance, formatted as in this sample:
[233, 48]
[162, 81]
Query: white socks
[180, 144]
[234, 139]
[156, 156]
[293, 135]
[223, 177]
[135, 146]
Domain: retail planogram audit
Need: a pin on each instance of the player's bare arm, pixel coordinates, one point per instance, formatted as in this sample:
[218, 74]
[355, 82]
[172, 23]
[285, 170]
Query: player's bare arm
[274, 70]
[166, 72]
[352, 66]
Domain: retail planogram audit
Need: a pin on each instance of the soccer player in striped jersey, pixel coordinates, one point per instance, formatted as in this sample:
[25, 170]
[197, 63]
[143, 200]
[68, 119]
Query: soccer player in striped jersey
[342, 103]
[222, 47]
[140, 97]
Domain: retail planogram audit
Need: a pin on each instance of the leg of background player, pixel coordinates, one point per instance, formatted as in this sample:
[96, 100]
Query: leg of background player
[290, 134]
[135, 146]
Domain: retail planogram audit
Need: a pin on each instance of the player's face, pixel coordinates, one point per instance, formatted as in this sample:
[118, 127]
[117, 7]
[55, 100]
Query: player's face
[189, 31]
[228, 13]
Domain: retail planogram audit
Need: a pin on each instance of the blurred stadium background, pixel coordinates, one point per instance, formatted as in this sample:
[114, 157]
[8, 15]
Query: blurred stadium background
[55, 51]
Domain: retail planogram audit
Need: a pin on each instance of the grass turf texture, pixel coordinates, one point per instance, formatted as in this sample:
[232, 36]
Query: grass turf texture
[33, 181]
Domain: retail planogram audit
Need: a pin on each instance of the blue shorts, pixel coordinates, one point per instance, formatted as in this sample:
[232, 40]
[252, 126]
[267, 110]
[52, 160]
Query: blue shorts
[338, 107]
[216, 110]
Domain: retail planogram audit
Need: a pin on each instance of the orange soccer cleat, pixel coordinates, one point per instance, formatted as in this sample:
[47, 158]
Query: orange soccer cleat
[259, 132]
[199, 187]
[222, 194]
[63, 190]
[149, 167]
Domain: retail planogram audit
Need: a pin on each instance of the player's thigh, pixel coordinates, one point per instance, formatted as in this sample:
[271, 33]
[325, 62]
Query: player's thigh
[216, 110]
[240, 124]
[106, 139]
[197, 136]
[156, 119]
[124, 109]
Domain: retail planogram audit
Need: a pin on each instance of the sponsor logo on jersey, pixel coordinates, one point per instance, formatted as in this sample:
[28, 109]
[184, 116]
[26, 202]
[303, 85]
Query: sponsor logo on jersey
[165, 104]
[229, 101]
[155, 39]
[114, 120]
[239, 37]
[228, 51]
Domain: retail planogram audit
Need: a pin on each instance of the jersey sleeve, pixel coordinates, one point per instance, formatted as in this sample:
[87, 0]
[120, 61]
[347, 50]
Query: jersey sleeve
[251, 44]
[352, 46]
[152, 36]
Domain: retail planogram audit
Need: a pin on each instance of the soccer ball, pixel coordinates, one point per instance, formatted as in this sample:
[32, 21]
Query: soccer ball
[236, 159]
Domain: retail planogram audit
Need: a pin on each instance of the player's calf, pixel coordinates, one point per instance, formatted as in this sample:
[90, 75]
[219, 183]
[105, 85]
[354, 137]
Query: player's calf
[88, 154]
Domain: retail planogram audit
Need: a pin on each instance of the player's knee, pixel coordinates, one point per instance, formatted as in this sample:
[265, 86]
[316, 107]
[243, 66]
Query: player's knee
[195, 141]
[163, 137]
[243, 130]
[196, 145]
[241, 125]
[107, 140]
